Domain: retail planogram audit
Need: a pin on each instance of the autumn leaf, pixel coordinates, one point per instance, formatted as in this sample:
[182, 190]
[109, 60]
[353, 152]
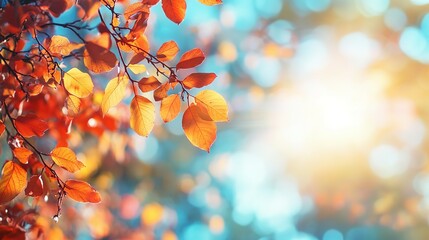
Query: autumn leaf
[138, 58]
[78, 83]
[214, 104]
[98, 59]
[35, 186]
[62, 46]
[142, 118]
[30, 125]
[114, 93]
[149, 84]
[56, 8]
[138, 44]
[210, 2]
[22, 154]
[134, 9]
[175, 10]
[66, 158]
[2, 127]
[170, 107]
[81, 191]
[190, 59]
[167, 51]
[11, 233]
[198, 80]
[137, 68]
[73, 105]
[201, 133]
[161, 92]
[12, 182]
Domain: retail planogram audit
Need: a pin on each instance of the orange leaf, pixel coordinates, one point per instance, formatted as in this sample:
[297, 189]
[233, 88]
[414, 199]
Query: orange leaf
[167, 51]
[12, 182]
[2, 127]
[134, 9]
[201, 133]
[66, 158]
[142, 118]
[30, 125]
[175, 10]
[138, 58]
[62, 46]
[22, 154]
[114, 93]
[73, 105]
[81, 191]
[138, 44]
[98, 59]
[214, 104]
[78, 83]
[151, 2]
[149, 84]
[35, 186]
[190, 59]
[161, 92]
[211, 2]
[198, 80]
[170, 107]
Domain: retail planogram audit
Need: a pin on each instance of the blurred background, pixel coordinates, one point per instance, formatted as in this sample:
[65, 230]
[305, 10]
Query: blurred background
[329, 109]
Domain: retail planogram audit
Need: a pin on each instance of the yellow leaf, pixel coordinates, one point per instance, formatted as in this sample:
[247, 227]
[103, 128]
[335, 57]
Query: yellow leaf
[201, 133]
[170, 107]
[211, 2]
[66, 158]
[73, 105]
[114, 93]
[62, 46]
[22, 154]
[214, 104]
[142, 118]
[78, 83]
[12, 182]
[137, 68]
[81, 191]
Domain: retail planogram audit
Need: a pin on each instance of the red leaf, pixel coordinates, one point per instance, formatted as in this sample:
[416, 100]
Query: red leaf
[30, 125]
[2, 127]
[191, 59]
[11, 233]
[175, 10]
[35, 186]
